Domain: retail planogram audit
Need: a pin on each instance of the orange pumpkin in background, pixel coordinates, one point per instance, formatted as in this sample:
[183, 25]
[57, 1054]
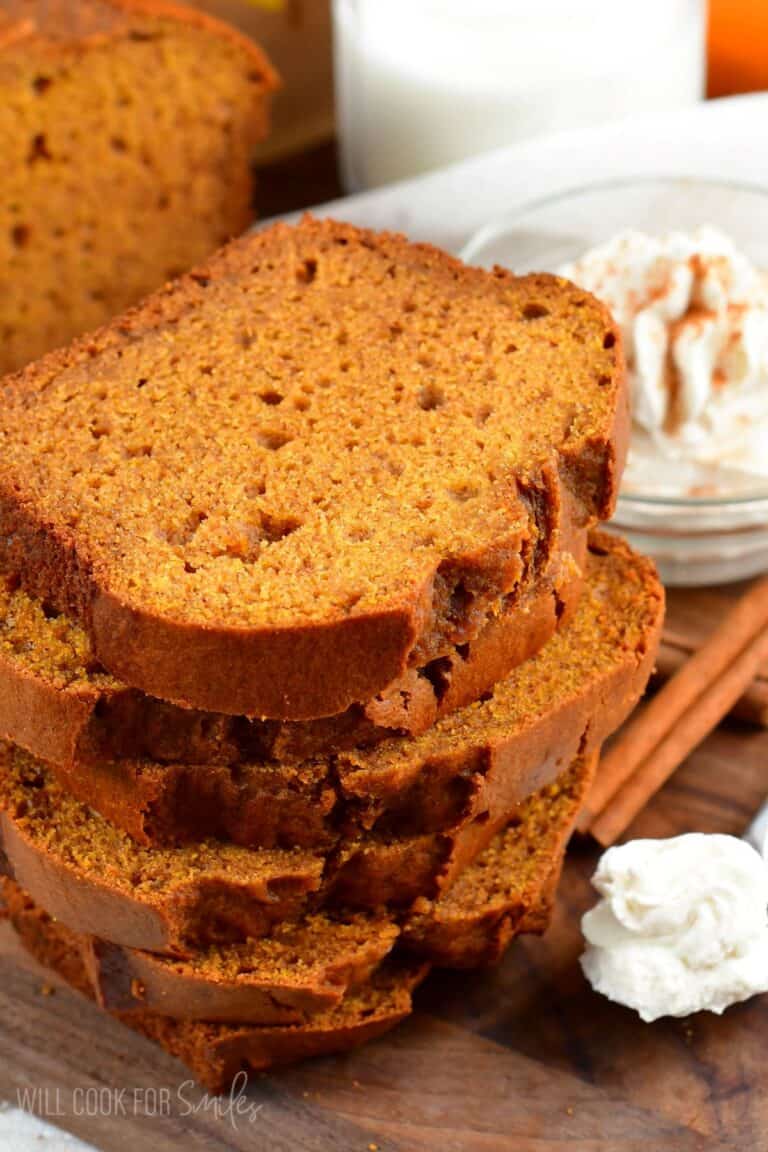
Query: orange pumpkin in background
[738, 46]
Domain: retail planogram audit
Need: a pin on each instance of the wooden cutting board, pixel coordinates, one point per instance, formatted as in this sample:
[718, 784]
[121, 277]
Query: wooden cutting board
[524, 1058]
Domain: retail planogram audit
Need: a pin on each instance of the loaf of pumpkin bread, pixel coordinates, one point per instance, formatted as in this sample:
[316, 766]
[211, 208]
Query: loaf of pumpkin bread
[127, 129]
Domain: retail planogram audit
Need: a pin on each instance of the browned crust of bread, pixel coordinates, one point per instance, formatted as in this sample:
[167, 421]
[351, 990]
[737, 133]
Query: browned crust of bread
[311, 805]
[86, 729]
[309, 670]
[194, 17]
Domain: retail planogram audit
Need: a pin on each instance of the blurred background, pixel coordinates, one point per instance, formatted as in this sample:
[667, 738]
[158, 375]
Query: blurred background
[481, 73]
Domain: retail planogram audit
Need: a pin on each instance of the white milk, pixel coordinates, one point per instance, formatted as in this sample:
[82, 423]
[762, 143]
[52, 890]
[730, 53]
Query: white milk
[421, 83]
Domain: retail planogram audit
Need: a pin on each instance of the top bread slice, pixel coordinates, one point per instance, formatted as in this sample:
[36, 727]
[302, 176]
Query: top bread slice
[127, 129]
[325, 457]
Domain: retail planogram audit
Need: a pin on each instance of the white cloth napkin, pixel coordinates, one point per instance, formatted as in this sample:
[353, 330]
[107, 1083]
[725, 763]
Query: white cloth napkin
[721, 139]
[20, 1132]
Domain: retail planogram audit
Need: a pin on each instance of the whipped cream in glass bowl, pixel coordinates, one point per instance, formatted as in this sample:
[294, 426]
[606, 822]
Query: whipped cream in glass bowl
[683, 265]
[693, 310]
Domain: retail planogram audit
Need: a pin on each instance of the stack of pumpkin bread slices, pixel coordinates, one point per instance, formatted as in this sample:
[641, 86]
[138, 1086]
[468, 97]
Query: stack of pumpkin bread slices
[308, 643]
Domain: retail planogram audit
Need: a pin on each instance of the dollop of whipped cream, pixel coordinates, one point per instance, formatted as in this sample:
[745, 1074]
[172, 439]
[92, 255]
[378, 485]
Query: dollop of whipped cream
[694, 314]
[682, 925]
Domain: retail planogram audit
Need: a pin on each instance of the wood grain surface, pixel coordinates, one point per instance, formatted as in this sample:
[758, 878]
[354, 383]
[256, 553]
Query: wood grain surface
[524, 1058]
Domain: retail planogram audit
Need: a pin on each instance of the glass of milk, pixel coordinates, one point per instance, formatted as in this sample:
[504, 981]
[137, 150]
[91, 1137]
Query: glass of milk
[422, 83]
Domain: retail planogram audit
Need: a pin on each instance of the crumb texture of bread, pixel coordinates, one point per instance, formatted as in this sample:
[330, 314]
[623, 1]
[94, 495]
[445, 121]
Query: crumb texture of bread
[324, 457]
[127, 129]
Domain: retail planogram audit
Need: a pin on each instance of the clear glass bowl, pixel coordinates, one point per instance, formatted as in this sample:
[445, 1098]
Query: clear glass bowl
[694, 540]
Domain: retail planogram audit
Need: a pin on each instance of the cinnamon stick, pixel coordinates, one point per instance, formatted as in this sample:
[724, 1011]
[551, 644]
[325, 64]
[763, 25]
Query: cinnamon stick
[687, 733]
[746, 621]
[751, 707]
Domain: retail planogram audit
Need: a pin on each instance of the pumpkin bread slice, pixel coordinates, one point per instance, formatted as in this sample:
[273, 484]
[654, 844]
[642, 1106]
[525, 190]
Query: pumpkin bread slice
[306, 966]
[324, 457]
